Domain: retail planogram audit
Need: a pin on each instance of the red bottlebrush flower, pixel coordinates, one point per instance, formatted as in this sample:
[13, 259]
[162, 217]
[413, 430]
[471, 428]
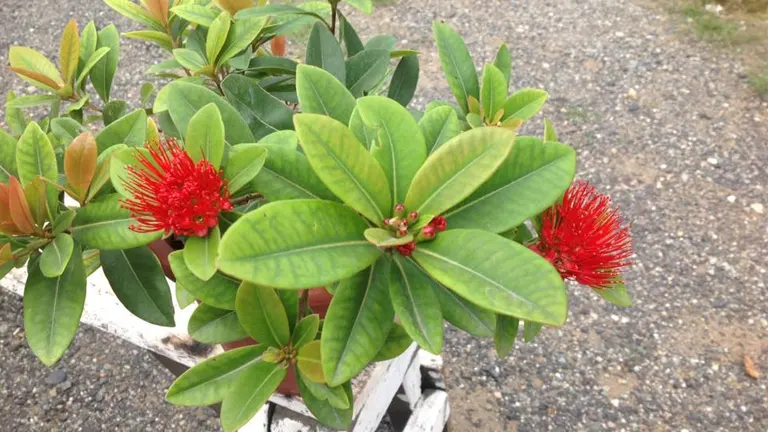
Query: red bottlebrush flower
[406, 249]
[584, 237]
[439, 223]
[173, 194]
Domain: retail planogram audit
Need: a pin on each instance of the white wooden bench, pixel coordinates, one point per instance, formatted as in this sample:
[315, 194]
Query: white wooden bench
[374, 390]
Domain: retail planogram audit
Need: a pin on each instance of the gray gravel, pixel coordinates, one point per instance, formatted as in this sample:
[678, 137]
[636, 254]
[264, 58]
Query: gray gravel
[664, 123]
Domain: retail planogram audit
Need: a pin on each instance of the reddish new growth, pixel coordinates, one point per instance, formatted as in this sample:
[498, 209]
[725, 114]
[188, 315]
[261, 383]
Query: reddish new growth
[584, 238]
[437, 224]
[406, 249]
[173, 194]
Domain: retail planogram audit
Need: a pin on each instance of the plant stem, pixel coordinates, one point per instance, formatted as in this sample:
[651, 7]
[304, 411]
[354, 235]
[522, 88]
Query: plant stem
[334, 7]
[303, 303]
[246, 198]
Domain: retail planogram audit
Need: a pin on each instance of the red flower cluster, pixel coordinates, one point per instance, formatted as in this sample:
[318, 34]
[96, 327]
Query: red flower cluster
[437, 224]
[173, 194]
[584, 238]
[406, 249]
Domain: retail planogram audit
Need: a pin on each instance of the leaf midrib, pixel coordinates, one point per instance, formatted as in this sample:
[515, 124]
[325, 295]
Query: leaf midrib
[299, 250]
[416, 315]
[257, 390]
[141, 284]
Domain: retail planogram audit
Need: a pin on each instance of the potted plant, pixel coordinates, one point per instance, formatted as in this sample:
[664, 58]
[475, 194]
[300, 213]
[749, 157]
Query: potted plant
[319, 223]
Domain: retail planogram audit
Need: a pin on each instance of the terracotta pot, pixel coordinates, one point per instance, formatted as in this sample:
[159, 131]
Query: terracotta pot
[319, 300]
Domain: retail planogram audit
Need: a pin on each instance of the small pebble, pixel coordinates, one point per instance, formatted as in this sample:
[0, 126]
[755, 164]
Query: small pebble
[731, 198]
[757, 207]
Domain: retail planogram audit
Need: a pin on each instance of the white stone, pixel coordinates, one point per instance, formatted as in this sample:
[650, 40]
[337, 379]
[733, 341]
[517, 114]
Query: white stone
[731, 198]
[712, 161]
[757, 207]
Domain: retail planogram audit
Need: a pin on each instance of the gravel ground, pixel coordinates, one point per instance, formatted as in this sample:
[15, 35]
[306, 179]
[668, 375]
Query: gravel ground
[664, 123]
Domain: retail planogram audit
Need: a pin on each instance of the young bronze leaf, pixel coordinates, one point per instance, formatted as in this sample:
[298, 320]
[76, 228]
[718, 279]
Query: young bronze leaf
[19, 209]
[159, 9]
[80, 163]
[69, 51]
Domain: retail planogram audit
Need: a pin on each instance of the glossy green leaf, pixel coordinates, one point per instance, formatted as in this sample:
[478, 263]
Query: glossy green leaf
[147, 90]
[287, 175]
[215, 326]
[305, 331]
[103, 72]
[184, 298]
[274, 10]
[465, 315]
[503, 61]
[324, 51]
[56, 256]
[195, 14]
[321, 93]
[208, 382]
[14, 117]
[496, 274]
[344, 165]
[104, 224]
[217, 36]
[130, 130]
[241, 35]
[247, 396]
[52, 308]
[35, 157]
[309, 362]
[262, 314]
[284, 138]
[357, 323]
[505, 334]
[365, 70]
[384, 239]
[204, 138]
[33, 101]
[138, 281]
[27, 59]
[336, 396]
[398, 340]
[135, 12]
[189, 59]
[457, 168]
[385, 42]
[89, 65]
[161, 39]
[524, 104]
[350, 37]
[119, 163]
[327, 414]
[493, 92]
[113, 111]
[220, 291]
[102, 175]
[296, 244]
[62, 222]
[290, 300]
[272, 65]
[200, 254]
[550, 135]
[457, 64]
[531, 329]
[439, 126]
[245, 162]
[66, 129]
[263, 112]
[404, 80]
[616, 294]
[413, 298]
[91, 261]
[532, 177]
[7, 156]
[365, 6]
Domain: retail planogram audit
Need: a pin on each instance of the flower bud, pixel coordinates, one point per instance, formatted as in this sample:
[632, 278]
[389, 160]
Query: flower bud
[413, 216]
[399, 210]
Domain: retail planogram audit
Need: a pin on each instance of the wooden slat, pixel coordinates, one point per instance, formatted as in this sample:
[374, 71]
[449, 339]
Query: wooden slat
[412, 384]
[431, 414]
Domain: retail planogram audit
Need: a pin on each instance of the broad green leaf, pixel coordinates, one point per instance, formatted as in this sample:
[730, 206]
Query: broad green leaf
[113, 111]
[119, 163]
[400, 148]
[7, 156]
[56, 256]
[129, 130]
[184, 298]
[263, 112]
[349, 35]
[200, 254]
[524, 104]
[457, 64]
[220, 291]
[496, 274]
[532, 177]
[52, 308]
[34, 195]
[309, 362]
[195, 14]
[208, 382]
[505, 334]
[327, 414]
[493, 92]
[384, 239]
[88, 67]
[321, 93]
[161, 39]
[296, 244]
[217, 36]
[103, 72]
[404, 80]
[214, 326]
[186, 99]
[35, 157]
[336, 396]
[274, 10]
[398, 340]
[247, 396]
[245, 162]
[135, 12]
[364, 134]
[138, 281]
[616, 294]
[189, 59]
[88, 42]
[439, 126]
[286, 175]
[503, 61]
[272, 65]
[66, 129]
[385, 42]
[262, 315]
[324, 51]
[290, 300]
[344, 165]
[30, 60]
[241, 35]
[413, 299]
[62, 222]
[357, 323]
[365, 6]
[550, 135]
[14, 117]
[365, 70]
[531, 329]
[33, 101]
[306, 330]
[465, 315]
[104, 224]
[457, 168]
[205, 136]
[91, 261]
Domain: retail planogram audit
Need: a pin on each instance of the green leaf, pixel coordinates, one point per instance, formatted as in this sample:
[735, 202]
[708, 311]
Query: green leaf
[135, 12]
[119, 163]
[56, 256]
[306, 330]
[549, 132]
[524, 104]
[384, 239]
[189, 59]
[217, 36]
[349, 35]
[385, 42]
[324, 51]
[336, 396]
[274, 10]
[208, 382]
[503, 61]
[357, 323]
[457, 64]
[241, 35]
[220, 291]
[505, 335]
[398, 340]
[321, 93]
[33, 101]
[309, 362]
[66, 129]
[62, 222]
[35, 157]
[262, 314]
[161, 39]
[200, 254]
[456, 169]
[147, 89]
[183, 297]
[52, 308]
[287, 175]
[439, 126]
[496, 274]
[365, 70]
[14, 117]
[616, 294]
[186, 99]
[130, 130]
[290, 300]
[88, 66]
[465, 315]
[400, 148]
[404, 80]
[247, 396]
[30, 60]
[296, 244]
[113, 111]
[272, 65]
[494, 91]
[205, 135]
[413, 298]
[344, 165]
[365, 6]
[214, 326]
[285, 138]
[245, 162]
[531, 330]
[263, 112]
[195, 14]
[327, 414]
[69, 51]
[532, 178]
[103, 72]
[7, 156]
[104, 224]
[138, 281]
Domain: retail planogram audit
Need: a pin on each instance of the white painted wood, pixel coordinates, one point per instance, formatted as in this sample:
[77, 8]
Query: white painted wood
[259, 422]
[430, 361]
[412, 384]
[284, 420]
[431, 414]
